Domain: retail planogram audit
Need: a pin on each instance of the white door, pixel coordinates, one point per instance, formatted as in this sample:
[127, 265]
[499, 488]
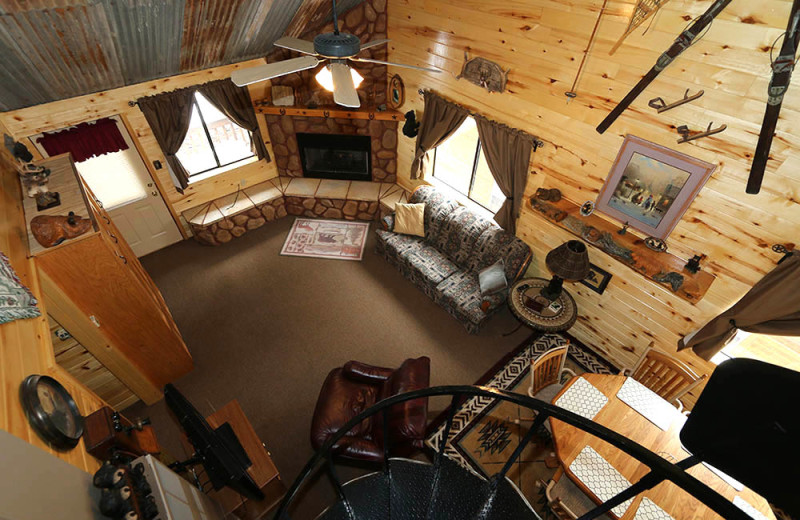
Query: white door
[120, 180]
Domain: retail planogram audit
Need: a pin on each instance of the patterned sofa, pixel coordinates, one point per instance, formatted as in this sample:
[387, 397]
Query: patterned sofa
[457, 245]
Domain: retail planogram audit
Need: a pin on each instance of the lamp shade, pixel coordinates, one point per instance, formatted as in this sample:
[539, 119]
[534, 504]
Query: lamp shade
[569, 261]
[325, 78]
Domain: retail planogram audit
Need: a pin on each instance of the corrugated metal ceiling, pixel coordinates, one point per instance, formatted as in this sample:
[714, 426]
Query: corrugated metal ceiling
[57, 49]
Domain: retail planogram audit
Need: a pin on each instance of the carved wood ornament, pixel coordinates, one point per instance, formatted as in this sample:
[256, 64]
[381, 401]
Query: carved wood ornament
[484, 73]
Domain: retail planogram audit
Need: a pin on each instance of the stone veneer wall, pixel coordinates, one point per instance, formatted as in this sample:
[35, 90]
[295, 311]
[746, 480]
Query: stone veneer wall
[283, 134]
[332, 208]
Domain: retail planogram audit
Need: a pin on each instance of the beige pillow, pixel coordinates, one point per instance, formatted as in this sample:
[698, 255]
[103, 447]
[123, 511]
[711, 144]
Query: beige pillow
[409, 219]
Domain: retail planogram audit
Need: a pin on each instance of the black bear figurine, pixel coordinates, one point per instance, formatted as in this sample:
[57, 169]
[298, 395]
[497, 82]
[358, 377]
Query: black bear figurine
[411, 128]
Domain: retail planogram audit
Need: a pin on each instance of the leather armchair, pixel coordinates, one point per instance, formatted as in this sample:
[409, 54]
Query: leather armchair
[351, 389]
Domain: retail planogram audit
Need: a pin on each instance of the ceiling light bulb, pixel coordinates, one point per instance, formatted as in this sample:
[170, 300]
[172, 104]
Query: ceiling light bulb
[325, 78]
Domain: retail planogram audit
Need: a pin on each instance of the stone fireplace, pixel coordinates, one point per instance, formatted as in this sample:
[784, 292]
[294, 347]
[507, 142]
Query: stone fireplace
[283, 130]
[367, 21]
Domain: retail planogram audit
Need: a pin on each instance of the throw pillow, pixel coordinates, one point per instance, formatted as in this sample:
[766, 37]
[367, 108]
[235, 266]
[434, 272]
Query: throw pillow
[409, 219]
[493, 279]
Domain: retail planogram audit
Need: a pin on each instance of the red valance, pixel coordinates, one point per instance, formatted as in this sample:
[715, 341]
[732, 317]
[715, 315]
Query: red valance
[85, 140]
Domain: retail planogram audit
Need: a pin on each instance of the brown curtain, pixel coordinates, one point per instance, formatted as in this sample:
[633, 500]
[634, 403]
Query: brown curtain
[772, 306]
[168, 115]
[439, 120]
[508, 154]
[235, 103]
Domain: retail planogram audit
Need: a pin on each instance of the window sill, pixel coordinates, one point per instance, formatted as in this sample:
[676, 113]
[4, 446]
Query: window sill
[461, 198]
[224, 169]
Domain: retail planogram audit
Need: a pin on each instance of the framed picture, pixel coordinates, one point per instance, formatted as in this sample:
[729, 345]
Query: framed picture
[651, 186]
[597, 280]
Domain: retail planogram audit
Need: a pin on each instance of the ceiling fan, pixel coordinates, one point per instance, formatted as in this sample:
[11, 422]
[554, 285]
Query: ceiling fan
[337, 47]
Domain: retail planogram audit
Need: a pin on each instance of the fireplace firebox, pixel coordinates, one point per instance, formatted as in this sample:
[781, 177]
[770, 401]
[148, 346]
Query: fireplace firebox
[335, 156]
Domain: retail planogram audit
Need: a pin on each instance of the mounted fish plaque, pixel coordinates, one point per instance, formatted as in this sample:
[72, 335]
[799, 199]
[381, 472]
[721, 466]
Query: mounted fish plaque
[484, 73]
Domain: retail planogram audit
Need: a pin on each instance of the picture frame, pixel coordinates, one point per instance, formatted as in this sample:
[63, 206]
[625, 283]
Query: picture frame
[597, 280]
[650, 186]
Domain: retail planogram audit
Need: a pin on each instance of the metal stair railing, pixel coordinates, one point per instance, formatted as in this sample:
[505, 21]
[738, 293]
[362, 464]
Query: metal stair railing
[660, 468]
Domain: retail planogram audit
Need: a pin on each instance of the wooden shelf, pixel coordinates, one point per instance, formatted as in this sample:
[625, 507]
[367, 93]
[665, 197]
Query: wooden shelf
[338, 112]
[663, 268]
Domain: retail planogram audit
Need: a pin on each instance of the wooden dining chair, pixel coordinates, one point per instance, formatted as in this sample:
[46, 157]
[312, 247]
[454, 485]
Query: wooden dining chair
[546, 370]
[565, 499]
[665, 375]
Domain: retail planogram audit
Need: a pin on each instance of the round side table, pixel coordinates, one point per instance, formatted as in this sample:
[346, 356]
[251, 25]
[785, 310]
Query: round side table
[536, 311]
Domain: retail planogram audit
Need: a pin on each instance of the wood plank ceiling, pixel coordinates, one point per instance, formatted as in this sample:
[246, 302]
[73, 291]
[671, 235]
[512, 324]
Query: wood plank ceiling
[58, 49]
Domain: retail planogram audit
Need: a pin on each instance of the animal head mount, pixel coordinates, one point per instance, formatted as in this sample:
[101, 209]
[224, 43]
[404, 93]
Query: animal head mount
[484, 73]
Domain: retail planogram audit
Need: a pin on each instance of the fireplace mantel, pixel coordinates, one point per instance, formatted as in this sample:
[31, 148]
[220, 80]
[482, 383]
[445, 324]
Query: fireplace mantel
[368, 114]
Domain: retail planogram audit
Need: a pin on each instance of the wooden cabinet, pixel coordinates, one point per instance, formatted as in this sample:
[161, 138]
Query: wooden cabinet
[98, 290]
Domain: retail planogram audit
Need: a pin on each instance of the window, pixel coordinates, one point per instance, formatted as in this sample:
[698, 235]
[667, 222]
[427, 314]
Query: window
[460, 164]
[213, 140]
[778, 350]
[117, 178]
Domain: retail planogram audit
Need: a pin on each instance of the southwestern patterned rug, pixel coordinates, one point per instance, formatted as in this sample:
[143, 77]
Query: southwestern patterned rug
[484, 432]
[335, 239]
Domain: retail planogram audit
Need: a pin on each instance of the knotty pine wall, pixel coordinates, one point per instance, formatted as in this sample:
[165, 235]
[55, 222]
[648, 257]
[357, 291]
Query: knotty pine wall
[542, 42]
[25, 345]
[60, 114]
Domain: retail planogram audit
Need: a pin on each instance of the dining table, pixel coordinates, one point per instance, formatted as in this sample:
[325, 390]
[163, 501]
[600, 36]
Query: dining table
[572, 443]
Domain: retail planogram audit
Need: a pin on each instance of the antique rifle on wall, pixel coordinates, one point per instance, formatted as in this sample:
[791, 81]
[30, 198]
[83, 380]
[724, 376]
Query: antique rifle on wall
[782, 69]
[682, 42]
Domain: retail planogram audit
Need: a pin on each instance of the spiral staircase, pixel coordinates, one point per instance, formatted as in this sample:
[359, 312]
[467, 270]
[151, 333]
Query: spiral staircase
[403, 489]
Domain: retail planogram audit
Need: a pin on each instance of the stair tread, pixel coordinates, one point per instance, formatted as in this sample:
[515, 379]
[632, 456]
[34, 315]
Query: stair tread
[406, 495]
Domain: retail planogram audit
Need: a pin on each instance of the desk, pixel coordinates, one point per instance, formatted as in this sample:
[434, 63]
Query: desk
[263, 471]
[618, 416]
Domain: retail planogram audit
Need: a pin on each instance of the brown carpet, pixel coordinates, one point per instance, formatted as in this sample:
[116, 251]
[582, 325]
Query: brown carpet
[266, 329]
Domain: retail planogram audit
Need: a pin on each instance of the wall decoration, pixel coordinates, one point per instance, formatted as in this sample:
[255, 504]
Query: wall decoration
[397, 92]
[572, 93]
[587, 208]
[656, 244]
[690, 135]
[661, 106]
[684, 40]
[552, 195]
[282, 95]
[644, 10]
[484, 73]
[651, 186]
[597, 280]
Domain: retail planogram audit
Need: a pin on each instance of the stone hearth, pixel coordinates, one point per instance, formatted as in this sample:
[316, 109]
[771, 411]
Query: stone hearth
[383, 138]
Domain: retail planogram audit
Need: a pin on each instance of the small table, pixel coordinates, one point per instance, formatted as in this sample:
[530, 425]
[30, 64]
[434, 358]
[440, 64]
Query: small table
[536, 311]
[618, 416]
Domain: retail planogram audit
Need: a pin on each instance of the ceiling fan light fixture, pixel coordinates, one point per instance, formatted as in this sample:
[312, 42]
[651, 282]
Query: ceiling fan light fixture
[325, 78]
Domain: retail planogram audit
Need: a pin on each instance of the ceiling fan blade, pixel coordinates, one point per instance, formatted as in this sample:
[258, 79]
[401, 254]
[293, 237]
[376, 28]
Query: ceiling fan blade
[295, 44]
[272, 70]
[368, 60]
[373, 43]
[344, 92]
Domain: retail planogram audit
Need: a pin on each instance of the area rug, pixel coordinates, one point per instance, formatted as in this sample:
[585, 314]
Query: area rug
[335, 239]
[484, 433]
